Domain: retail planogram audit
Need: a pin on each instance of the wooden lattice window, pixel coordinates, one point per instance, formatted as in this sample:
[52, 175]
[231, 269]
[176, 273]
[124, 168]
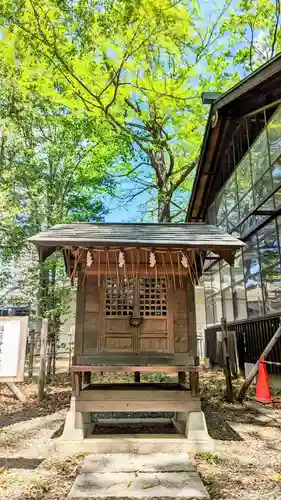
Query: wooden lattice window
[153, 297]
[119, 297]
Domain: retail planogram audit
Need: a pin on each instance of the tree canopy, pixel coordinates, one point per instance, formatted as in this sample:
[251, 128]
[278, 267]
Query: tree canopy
[141, 66]
[98, 93]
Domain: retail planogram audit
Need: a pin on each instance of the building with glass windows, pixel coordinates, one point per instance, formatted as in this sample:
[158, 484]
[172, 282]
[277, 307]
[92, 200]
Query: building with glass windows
[238, 188]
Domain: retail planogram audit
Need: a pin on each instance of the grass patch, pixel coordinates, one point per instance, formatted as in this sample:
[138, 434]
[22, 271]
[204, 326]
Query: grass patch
[208, 457]
[68, 466]
[38, 490]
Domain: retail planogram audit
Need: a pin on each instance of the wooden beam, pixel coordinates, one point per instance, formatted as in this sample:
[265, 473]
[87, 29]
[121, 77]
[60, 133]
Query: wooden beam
[132, 369]
[16, 391]
[131, 406]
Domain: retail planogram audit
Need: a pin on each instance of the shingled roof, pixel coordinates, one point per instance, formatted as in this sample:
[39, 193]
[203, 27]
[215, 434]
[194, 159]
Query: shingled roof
[89, 234]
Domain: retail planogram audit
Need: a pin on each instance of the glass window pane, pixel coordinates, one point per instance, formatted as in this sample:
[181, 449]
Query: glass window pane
[277, 198]
[225, 275]
[248, 225]
[232, 219]
[208, 282]
[278, 220]
[268, 206]
[216, 284]
[223, 225]
[271, 280]
[263, 188]
[217, 307]
[212, 214]
[227, 304]
[239, 301]
[276, 173]
[274, 134]
[220, 207]
[244, 177]
[230, 191]
[268, 244]
[251, 256]
[209, 311]
[237, 268]
[259, 156]
[254, 296]
[246, 205]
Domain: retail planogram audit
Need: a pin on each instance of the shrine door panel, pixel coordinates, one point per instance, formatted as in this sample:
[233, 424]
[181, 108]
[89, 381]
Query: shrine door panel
[144, 300]
[155, 331]
[119, 333]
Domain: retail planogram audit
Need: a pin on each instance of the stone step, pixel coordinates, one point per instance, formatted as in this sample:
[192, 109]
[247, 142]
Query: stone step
[134, 443]
[144, 485]
[128, 462]
[127, 476]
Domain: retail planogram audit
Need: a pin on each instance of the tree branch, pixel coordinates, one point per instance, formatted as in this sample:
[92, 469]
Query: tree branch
[173, 216]
[131, 171]
[133, 196]
[277, 16]
[188, 169]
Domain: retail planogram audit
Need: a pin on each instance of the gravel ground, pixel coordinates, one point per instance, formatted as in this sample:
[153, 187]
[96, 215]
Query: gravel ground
[246, 466]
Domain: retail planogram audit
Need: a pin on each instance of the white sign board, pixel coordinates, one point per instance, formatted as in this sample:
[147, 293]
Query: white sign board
[13, 334]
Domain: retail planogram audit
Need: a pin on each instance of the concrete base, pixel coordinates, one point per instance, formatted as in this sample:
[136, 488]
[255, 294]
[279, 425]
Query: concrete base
[196, 432]
[131, 476]
[192, 436]
[77, 426]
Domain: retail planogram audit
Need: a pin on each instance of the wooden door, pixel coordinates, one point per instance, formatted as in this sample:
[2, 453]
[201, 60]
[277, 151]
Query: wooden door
[137, 318]
[119, 334]
[155, 333]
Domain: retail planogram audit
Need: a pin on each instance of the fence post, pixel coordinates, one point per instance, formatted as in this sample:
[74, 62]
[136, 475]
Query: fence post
[43, 350]
[233, 353]
[31, 353]
[227, 372]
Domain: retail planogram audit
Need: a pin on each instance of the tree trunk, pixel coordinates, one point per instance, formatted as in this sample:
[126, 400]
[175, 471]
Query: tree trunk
[164, 207]
[52, 333]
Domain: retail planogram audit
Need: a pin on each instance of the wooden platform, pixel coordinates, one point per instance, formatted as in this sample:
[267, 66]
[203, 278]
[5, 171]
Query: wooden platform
[136, 397]
[131, 363]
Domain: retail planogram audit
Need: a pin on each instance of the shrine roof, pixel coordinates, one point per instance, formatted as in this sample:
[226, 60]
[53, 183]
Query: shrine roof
[88, 234]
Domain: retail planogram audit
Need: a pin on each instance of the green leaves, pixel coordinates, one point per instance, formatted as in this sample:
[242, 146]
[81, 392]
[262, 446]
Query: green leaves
[138, 67]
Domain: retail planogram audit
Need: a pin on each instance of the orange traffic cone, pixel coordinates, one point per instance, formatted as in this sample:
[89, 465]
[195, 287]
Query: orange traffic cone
[262, 389]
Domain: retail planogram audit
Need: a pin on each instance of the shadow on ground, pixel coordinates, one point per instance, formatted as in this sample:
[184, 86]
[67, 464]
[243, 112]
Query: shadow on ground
[20, 463]
[22, 412]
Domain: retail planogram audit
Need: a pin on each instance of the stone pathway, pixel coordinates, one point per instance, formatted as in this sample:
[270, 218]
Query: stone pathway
[160, 475]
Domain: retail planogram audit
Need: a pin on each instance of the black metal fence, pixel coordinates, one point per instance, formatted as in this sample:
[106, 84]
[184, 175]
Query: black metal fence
[252, 337]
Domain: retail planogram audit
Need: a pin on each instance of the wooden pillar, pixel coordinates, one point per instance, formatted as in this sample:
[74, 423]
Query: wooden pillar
[194, 380]
[137, 377]
[87, 378]
[77, 383]
[182, 378]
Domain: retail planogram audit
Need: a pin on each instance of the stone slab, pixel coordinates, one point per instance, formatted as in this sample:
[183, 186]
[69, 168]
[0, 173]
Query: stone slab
[128, 462]
[144, 485]
[142, 444]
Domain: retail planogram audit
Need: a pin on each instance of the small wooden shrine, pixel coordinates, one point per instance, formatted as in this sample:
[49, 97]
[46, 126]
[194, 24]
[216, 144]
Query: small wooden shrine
[135, 311]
